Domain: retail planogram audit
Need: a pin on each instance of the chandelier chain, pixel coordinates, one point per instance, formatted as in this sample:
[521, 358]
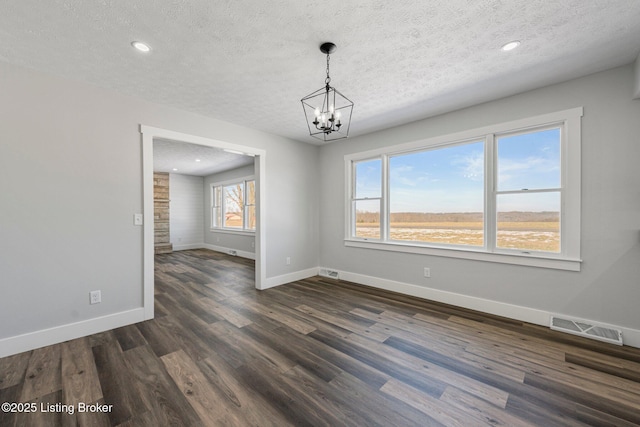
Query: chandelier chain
[328, 79]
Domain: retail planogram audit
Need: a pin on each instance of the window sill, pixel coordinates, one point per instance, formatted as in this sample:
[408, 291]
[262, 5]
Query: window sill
[232, 231]
[470, 254]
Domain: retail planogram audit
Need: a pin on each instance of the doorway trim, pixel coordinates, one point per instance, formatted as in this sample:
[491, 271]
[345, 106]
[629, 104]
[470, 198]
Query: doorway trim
[148, 135]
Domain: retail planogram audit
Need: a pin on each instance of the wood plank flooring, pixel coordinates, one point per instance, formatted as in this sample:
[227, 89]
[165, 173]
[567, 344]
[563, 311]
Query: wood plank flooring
[318, 352]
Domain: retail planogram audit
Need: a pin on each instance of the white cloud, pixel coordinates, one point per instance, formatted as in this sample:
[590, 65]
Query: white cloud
[404, 176]
[472, 166]
[510, 169]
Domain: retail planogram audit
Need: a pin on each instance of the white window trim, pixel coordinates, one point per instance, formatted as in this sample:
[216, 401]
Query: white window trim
[229, 230]
[568, 259]
[233, 231]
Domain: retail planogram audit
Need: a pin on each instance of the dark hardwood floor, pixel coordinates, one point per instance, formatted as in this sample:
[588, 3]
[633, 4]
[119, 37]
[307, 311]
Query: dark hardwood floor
[317, 352]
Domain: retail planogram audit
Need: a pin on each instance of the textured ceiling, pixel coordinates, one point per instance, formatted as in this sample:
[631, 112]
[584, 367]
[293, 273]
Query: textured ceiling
[191, 159]
[250, 62]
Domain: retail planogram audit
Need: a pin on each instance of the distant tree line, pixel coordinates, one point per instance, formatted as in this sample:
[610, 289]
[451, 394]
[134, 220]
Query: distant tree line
[409, 217]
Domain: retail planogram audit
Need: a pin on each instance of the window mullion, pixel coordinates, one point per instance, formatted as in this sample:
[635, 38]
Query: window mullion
[245, 211]
[490, 210]
[526, 191]
[351, 196]
[384, 200]
[223, 208]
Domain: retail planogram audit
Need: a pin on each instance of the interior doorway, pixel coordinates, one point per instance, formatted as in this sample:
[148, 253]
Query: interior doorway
[149, 134]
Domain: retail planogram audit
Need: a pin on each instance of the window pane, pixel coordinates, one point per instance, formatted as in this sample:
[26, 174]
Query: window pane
[529, 221]
[368, 179]
[438, 195]
[529, 161]
[251, 218]
[251, 192]
[367, 219]
[216, 217]
[217, 197]
[216, 209]
[233, 204]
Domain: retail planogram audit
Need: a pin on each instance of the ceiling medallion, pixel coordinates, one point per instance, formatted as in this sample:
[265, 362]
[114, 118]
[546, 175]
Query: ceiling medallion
[328, 112]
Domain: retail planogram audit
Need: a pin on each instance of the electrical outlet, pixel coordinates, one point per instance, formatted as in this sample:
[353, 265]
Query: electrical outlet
[95, 297]
[427, 272]
[288, 260]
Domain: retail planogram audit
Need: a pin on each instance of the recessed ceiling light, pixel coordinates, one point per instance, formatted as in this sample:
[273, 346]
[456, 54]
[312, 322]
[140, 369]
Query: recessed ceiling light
[142, 47]
[510, 46]
[197, 160]
[175, 169]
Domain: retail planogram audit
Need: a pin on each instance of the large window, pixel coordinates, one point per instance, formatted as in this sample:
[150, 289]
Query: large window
[233, 205]
[506, 193]
[437, 195]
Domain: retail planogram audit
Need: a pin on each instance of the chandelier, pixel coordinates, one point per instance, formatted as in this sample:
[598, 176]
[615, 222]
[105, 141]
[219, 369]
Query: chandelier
[328, 112]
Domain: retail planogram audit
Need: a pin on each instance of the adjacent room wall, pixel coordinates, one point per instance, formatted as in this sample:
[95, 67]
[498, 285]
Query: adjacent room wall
[224, 241]
[606, 290]
[186, 207]
[70, 183]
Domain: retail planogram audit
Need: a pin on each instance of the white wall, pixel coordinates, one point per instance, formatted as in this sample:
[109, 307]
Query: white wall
[636, 86]
[606, 290]
[221, 240]
[70, 182]
[186, 211]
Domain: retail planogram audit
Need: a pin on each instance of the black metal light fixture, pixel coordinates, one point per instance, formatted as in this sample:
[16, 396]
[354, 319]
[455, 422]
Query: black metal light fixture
[328, 112]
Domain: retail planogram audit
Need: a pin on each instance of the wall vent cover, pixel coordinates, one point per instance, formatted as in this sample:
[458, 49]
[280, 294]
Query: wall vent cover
[584, 328]
[332, 274]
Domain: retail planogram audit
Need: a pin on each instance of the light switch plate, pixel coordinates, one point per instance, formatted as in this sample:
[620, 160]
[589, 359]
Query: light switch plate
[137, 219]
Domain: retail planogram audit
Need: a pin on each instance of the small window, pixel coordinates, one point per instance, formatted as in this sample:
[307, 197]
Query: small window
[250, 205]
[529, 191]
[233, 206]
[368, 196]
[216, 211]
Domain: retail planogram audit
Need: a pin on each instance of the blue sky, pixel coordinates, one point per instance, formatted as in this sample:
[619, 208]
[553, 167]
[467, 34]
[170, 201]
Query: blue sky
[452, 179]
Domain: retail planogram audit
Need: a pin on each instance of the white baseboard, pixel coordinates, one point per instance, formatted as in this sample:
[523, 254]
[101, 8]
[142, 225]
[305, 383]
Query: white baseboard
[525, 314]
[58, 334]
[631, 337]
[243, 254]
[289, 277]
[188, 246]
[30, 341]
